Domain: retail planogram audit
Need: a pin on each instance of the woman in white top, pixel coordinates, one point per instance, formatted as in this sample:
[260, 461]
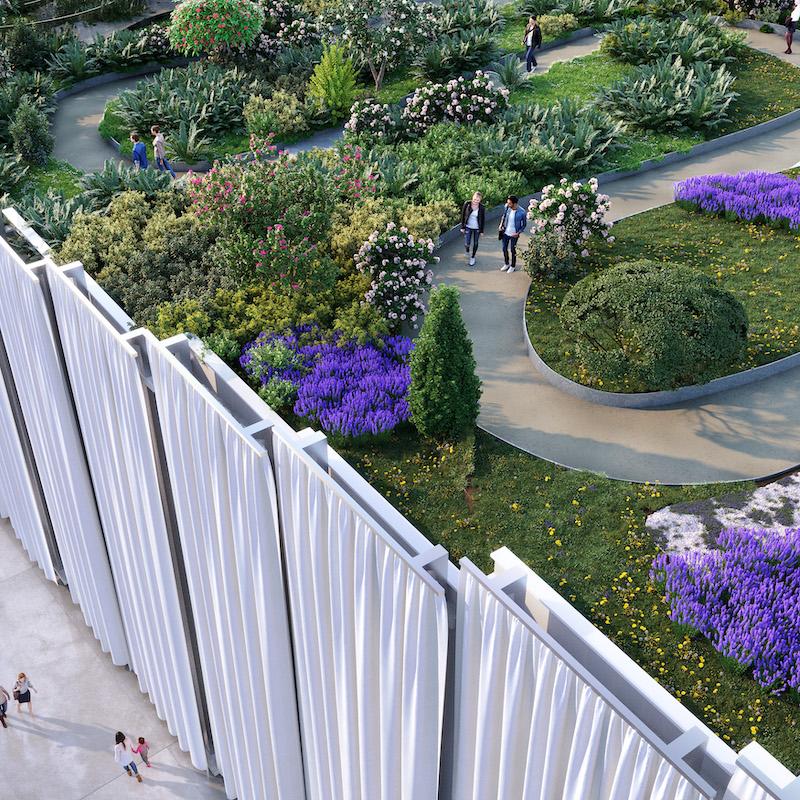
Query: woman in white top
[22, 692]
[531, 40]
[4, 698]
[124, 757]
[473, 217]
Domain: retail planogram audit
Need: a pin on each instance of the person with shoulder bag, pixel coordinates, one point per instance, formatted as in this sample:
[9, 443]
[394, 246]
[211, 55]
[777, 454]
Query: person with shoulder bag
[4, 698]
[22, 692]
[532, 40]
[473, 217]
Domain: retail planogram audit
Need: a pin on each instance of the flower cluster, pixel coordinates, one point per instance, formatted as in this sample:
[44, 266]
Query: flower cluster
[464, 100]
[208, 26]
[154, 40]
[373, 120]
[576, 207]
[291, 264]
[749, 196]
[346, 388]
[351, 173]
[297, 33]
[745, 597]
[398, 264]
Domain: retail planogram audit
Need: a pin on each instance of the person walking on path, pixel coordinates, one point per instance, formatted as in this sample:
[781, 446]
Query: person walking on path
[160, 151]
[4, 698]
[512, 224]
[124, 757]
[22, 692]
[791, 26]
[139, 152]
[143, 749]
[473, 217]
[532, 40]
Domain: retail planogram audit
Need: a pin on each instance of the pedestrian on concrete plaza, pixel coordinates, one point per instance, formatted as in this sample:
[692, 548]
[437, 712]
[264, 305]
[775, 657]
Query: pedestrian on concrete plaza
[139, 152]
[791, 24]
[4, 698]
[143, 749]
[473, 217]
[532, 40]
[160, 151]
[124, 757]
[512, 224]
[22, 692]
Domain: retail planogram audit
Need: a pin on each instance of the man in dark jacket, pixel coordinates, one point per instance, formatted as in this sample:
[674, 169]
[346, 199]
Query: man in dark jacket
[473, 215]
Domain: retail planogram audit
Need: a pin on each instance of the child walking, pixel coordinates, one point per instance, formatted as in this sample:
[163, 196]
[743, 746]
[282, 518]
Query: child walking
[142, 748]
[139, 152]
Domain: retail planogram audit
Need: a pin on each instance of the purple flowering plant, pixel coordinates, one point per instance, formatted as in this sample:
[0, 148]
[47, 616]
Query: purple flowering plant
[346, 388]
[763, 197]
[744, 596]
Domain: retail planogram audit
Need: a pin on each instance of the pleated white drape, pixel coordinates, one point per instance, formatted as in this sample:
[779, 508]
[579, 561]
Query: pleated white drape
[529, 728]
[112, 408]
[47, 409]
[225, 502]
[17, 500]
[370, 636]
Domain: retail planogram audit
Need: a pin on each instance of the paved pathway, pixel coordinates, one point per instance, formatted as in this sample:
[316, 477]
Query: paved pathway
[749, 432]
[88, 31]
[77, 117]
[67, 750]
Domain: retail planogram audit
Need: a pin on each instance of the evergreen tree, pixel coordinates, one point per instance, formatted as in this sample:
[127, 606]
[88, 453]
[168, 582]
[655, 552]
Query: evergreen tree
[445, 391]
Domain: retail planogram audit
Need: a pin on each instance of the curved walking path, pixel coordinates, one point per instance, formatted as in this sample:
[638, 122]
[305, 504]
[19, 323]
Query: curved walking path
[77, 117]
[748, 432]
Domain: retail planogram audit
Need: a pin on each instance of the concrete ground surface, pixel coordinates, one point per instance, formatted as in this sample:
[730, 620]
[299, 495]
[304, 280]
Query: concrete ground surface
[66, 751]
[89, 31]
[750, 432]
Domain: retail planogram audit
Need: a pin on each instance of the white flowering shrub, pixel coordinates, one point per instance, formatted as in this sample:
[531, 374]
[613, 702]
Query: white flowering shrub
[383, 43]
[463, 100]
[370, 120]
[563, 222]
[398, 264]
[297, 33]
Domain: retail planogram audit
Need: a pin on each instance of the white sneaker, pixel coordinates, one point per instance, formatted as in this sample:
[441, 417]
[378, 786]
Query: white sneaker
[504, 268]
[511, 269]
[472, 262]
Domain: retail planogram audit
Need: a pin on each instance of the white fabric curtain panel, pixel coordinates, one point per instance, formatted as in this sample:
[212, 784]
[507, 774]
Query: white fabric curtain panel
[44, 395]
[17, 499]
[112, 408]
[529, 728]
[370, 635]
[225, 503]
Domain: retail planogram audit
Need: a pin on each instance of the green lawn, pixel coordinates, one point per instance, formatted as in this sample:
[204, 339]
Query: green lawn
[57, 175]
[396, 86]
[759, 264]
[585, 535]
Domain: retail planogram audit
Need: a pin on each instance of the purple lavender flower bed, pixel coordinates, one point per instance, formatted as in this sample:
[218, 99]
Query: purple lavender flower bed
[347, 388]
[749, 196]
[745, 597]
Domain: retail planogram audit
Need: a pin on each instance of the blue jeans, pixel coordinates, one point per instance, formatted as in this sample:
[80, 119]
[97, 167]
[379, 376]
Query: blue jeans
[510, 242]
[131, 768]
[472, 235]
[164, 166]
[530, 58]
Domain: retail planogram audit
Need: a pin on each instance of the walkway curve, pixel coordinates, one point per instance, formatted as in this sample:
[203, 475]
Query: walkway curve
[749, 432]
[77, 117]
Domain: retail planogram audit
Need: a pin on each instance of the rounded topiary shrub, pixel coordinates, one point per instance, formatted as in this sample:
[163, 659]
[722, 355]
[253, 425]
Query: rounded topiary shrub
[30, 133]
[212, 26]
[654, 326]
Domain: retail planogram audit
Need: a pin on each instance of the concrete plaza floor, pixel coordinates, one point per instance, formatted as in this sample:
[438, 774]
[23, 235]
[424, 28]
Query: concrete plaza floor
[66, 750]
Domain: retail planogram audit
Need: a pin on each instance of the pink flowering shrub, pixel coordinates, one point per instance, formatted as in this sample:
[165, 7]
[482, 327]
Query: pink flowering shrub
[351, 173]
[462, 100]
[286, 264]
[563, 222]
[398, 265]
[213, 26]
[371, 120]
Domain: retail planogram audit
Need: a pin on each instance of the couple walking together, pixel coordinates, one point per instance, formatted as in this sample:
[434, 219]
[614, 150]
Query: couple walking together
[512, 223]
[159, 150]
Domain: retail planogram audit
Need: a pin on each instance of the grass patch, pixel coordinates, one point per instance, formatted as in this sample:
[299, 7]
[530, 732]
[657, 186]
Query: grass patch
[396, 86]
[59, 176]
[759, 264]
[585, 535]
